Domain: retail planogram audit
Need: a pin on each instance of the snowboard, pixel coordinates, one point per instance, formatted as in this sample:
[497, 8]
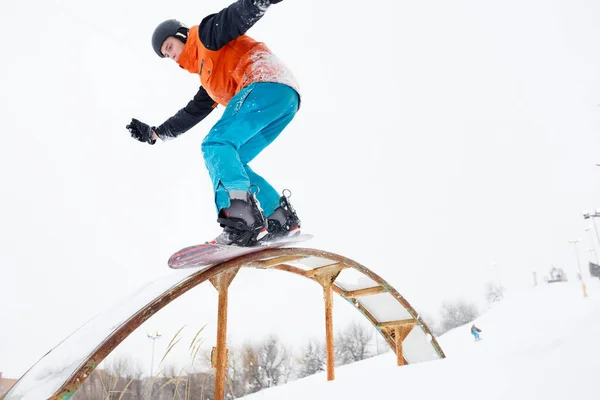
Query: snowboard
[203, 255]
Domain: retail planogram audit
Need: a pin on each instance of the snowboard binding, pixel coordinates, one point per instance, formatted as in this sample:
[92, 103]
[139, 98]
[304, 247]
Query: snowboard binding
[284, 221]
[243, 222]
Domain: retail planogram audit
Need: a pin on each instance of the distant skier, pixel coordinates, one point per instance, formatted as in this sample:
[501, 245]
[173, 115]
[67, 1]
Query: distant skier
[260, 96]
[475, 331]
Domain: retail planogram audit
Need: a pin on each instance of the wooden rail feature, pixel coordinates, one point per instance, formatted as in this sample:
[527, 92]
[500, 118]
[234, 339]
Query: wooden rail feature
[390, 314]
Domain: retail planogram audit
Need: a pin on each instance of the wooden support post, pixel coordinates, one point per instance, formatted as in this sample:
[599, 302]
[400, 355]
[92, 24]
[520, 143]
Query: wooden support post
[326, 276]
[399, 354]
[400, 333]
[328, 296]
[221, 282]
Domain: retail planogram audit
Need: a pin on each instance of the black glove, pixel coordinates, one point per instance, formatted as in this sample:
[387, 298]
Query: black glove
[140, 131]
[266, 3]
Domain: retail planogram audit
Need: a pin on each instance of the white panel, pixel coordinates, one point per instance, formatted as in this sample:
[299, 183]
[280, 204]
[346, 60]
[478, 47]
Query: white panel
[384, 307]
[351, 279]
[311, 263]
[418, 348]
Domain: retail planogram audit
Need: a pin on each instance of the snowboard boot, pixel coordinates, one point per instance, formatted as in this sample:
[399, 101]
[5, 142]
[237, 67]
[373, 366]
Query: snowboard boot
[243, 221]
[284, 221]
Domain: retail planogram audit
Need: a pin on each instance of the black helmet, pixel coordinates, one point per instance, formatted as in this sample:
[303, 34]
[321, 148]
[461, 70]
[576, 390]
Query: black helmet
[170, 27]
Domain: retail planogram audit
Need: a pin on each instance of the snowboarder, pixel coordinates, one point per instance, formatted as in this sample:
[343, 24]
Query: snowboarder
[260, 96]
[475, 332]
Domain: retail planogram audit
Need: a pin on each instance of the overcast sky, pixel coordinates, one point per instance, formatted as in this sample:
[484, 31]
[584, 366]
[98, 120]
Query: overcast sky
[435, 139]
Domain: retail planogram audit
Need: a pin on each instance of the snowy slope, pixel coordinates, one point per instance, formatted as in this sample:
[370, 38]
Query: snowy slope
[537, 344]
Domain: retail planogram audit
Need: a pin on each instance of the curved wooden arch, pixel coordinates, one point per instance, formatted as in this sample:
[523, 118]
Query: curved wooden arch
[46, 380]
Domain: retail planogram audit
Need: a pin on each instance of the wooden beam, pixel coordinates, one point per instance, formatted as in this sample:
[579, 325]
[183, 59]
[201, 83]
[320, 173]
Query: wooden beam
[393, 324]
[364, 292]
[290, 268]
[272, 262]
[325, 270]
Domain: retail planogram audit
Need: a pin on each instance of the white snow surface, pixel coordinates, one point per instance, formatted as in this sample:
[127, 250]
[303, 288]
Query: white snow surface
[49, 373]
[536, 344]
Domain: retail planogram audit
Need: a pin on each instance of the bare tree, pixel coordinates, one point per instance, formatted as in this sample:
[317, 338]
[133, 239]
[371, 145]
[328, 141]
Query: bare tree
[201, 385]
[119, 380]
[352, 344]
[235, 374]
[95, 387]
[432, 323]
[168, 385]
[266, 365]
[313, 359]
[494, 293]
[457, 313]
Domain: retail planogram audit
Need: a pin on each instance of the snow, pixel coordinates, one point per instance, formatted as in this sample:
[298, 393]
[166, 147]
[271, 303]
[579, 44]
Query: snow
[536, 344]
[49, 373]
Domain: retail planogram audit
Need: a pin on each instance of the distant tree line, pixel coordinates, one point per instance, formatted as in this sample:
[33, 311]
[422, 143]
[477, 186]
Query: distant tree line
[458, 312]
[252, 367]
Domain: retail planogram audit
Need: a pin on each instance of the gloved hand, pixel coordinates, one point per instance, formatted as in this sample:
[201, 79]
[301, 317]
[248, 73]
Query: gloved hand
[140, 131]
[266, 3]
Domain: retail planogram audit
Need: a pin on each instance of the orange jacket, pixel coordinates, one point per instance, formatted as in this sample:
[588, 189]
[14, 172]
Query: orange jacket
[224, 72]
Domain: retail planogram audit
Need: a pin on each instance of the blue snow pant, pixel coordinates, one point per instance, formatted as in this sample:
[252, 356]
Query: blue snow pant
[251, 121]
